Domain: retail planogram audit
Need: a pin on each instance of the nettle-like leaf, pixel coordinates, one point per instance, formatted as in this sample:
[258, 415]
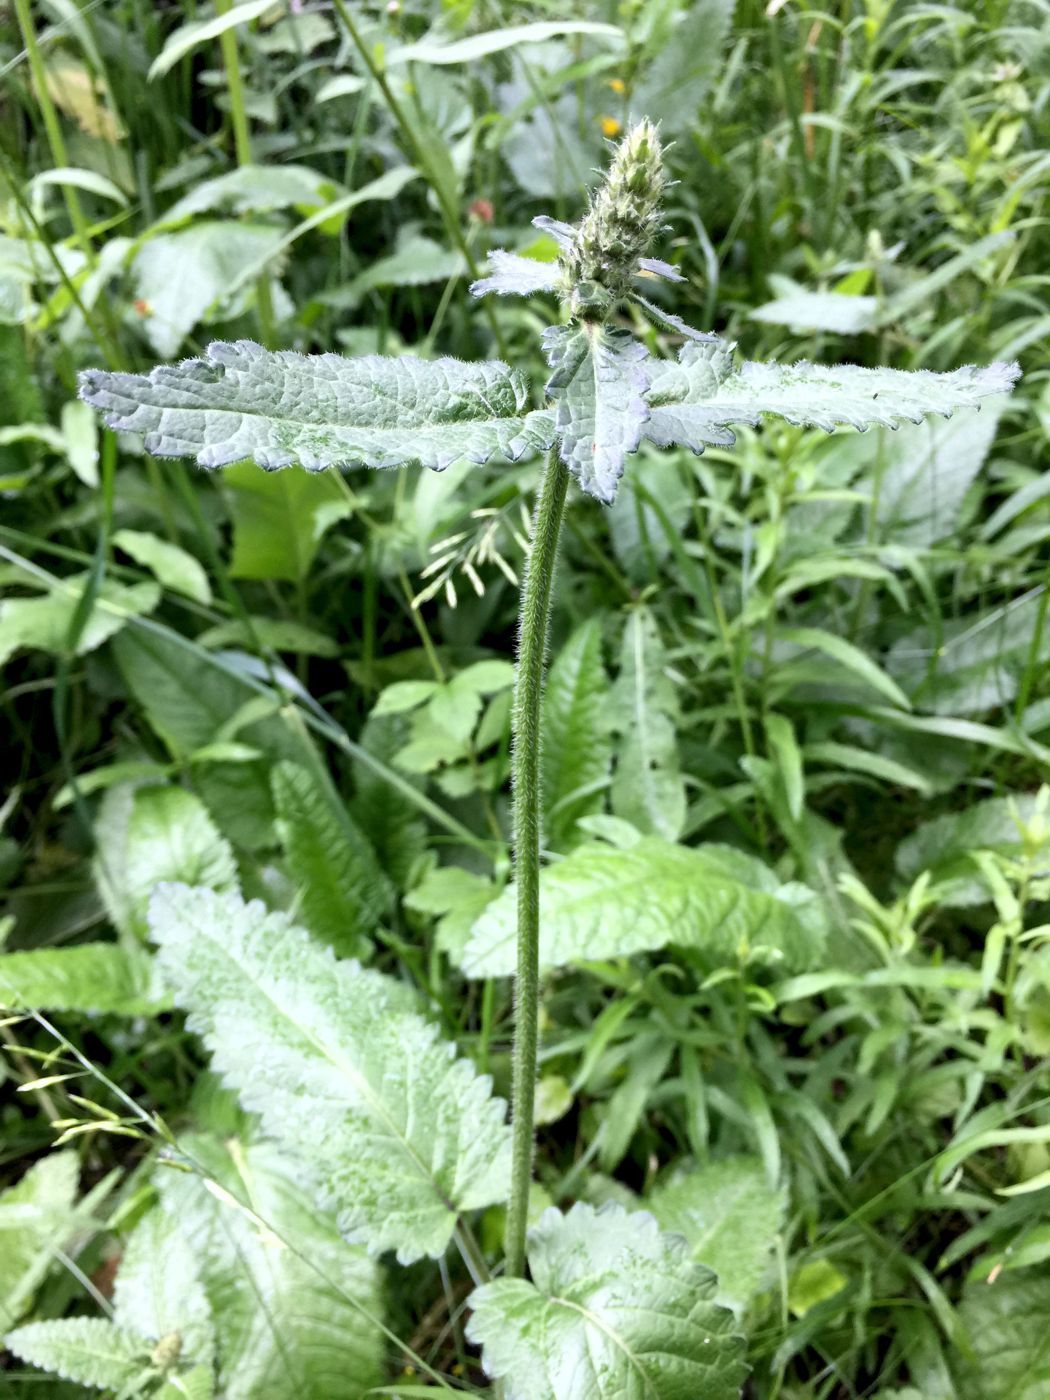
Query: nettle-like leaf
[695, 399]
[88, 1350]
[604, 902]
[281, 408]
[336, 1057]
[36, 1220]
[648, 790]
[158, 1292]
[86, 977]
[576, 751]
[598, 385]
[616, 1311]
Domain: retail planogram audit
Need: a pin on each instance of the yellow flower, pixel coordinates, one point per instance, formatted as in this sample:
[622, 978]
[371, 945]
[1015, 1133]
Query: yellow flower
[617, 85]
[610, 126]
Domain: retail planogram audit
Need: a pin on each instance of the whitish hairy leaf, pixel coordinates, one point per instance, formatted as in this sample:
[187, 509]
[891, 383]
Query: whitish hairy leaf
[333, 1056]
[343, 891]
[647, 790]
[695, 400]
[604, 902]
[511, 275]
[616, 1311]
[36, 1220]
[1006, 1325]
[598, 384]
[87, 977]
[575, 753]
[88, 1350]
[158, 1292]
[281, 408]
[729, 1215]
[294, 1304]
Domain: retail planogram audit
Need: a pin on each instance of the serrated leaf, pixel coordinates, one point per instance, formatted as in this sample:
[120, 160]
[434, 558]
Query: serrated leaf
[150, 835]
[87, 977]
[511, 275]
[158, 1292]
[44, 623]
[180, 276]
[88, 1350]
[729, 1215]
[671, 89]
[171, 565]
[647, 788]
[603, 902]
[616, 1311]
[295, 1306]
[1005, 1322]
[576, 752]
[343, 891]
[36, 1220]
[598, 385]
[280, 408]
[333, 1055]
[694, 401]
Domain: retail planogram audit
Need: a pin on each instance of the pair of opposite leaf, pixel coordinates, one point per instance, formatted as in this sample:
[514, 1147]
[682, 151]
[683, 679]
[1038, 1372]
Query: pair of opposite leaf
[607, 393]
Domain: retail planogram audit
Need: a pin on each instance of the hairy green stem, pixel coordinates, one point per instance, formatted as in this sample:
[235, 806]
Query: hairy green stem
[534, 618]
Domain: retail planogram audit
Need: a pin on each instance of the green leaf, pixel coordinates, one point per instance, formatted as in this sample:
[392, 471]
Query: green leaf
[647, 787]
[602, 902]
[820, 311]
[44, 623]
[151, 835]
[158, 1291]
[847, 655]
[694, 400]
[281, 408]
[87, 977]
[1006, 1325]
[180, 276]
[189, 36]
[672, 88]
[36, 1220]
[343, 891]
[295, 1306]
[576, 752]
[88, 1350]
[598, 385]
[260, 189]
[615, 1309]
[729, 1216]
[943, 846]
[171, 565]
[478, 46]
[332, 1055]
[279, 520]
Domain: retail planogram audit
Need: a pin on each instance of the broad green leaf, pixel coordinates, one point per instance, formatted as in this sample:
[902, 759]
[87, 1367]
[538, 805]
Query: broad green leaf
[279, 520]
[262, 634]
[281, 408]
[477, 46]
[695, 400]
[575, 752]
[36, 1220]
[259, 189]
[598, 386]
[189, 36]
[615, 1311]
[88, 1350]
[86, 977]
[295, 1306]
[332, 1055]
[45, 622]
[1006, 1325]
[456, 895]
[158, 1291]
[180, 276]
[729, 1216]
[171, 565]
[943, 846]
[88, 180]
[602, 902]
[820, 311]
[647, 787]
[151, 835]
[415, 262]
[343, 892]
[671, 89]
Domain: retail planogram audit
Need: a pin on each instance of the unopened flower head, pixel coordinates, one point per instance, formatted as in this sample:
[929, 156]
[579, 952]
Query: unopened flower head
[620, 226]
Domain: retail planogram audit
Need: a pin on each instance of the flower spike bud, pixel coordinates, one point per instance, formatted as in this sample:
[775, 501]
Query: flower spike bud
[619, 228]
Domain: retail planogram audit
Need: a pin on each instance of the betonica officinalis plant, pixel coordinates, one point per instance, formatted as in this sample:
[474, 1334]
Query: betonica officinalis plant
[402, 1138]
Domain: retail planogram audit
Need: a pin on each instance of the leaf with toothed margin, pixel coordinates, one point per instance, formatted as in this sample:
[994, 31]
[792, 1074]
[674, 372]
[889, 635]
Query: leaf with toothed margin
[280, 409]
[511, 275]
[695, 399]
[670, 321]
[598, 386]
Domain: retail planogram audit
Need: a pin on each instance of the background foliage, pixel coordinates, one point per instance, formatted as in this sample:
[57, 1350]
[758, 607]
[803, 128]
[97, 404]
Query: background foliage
[797, 958]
